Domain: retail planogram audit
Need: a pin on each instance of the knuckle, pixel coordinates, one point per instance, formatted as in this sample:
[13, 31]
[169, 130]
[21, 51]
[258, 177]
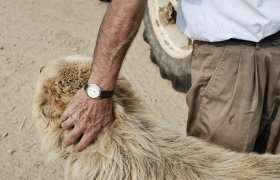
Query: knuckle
[83, 145]
[65, 142]
[83, 126]
[74, 135]
[63, 125]
[78, 148]
[64, 115]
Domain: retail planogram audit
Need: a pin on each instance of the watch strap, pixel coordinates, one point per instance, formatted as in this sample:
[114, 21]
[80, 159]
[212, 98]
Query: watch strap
[106, 94]
[85, 86]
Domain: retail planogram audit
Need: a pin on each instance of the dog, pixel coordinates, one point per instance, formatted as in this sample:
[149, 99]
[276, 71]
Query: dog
[136, 145]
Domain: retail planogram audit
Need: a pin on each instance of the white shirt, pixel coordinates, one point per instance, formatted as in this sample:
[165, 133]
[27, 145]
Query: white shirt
[218, 20]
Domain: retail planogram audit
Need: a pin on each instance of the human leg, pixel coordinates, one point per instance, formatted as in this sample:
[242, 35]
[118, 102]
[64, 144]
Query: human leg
[227, 93]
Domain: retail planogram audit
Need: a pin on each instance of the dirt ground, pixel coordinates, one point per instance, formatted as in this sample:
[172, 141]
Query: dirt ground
[34, 32]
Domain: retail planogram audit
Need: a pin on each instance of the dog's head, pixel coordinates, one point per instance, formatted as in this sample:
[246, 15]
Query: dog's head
[58, 82]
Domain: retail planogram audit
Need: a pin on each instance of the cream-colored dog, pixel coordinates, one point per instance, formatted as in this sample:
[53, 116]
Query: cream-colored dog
[135, 146]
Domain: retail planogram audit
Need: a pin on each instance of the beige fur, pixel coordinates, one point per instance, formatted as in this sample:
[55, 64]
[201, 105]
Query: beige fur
[135, 146]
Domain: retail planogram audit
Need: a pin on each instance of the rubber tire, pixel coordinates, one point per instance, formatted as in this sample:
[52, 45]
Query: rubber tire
[178, 71]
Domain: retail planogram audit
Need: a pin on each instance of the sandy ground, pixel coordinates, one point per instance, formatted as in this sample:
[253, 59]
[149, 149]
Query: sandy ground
[35, 32]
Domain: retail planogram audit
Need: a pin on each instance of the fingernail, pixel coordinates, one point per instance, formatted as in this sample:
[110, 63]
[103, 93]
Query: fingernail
[76, 150]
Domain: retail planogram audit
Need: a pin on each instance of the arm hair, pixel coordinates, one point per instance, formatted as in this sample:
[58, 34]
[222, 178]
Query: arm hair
[118, 29]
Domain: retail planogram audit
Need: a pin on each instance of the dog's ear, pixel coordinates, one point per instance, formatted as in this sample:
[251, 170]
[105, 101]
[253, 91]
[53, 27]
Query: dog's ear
[42, 69]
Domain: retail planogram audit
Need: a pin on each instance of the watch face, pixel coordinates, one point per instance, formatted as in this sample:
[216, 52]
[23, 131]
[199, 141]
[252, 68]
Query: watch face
[93, 91]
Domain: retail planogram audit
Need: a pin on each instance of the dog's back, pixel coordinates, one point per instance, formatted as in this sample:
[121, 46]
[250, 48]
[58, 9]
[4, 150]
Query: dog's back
[135, 146]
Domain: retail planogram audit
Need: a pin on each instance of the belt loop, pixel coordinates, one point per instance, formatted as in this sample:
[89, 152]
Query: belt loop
[258, 45]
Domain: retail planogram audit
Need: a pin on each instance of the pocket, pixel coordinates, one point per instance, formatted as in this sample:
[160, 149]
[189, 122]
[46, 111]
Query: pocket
[200, 54]
[215, 76]
[215, 84]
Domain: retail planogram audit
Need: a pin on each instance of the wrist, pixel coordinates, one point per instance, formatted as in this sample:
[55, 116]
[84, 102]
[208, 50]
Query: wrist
[104, 72]
[107, 84]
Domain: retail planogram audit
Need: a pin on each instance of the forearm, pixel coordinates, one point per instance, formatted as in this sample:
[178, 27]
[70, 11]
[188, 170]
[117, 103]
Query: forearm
[118, 29]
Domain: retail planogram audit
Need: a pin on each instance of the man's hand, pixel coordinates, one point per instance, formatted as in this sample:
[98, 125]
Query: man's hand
[87, 117]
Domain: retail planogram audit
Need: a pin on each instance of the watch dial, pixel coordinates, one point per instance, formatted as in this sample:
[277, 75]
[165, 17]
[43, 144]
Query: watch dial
[93, 91]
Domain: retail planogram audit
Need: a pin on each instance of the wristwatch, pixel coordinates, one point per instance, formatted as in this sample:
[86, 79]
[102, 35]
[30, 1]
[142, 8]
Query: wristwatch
[95, 91]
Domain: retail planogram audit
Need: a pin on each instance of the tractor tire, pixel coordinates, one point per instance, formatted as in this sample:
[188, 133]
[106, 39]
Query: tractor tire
[175, 69]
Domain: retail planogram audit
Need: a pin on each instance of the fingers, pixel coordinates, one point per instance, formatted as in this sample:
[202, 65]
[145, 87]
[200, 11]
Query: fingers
[69, 123]
[65, 115]
[71, 108]
[73, 136]
[84, 142]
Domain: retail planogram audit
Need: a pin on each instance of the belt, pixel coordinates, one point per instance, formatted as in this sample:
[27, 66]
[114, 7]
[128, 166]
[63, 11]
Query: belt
[271, 40]
[266, 40]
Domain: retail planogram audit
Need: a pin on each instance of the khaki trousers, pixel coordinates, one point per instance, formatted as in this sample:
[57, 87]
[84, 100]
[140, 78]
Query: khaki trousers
[235, 95]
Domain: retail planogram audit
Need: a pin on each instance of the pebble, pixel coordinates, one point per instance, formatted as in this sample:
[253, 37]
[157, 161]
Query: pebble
[8, 60]
[2, 48]
[12, 108]
[53, 171]
[37, 164]
[4, 135]
[10, 151]
[23, 122]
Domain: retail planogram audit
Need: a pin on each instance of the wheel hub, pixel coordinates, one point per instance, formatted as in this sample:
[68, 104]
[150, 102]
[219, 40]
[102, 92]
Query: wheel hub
[167, 14]
[163, 18]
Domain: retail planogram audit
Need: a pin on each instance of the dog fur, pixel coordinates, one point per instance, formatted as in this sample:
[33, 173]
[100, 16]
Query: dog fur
[135, 146]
